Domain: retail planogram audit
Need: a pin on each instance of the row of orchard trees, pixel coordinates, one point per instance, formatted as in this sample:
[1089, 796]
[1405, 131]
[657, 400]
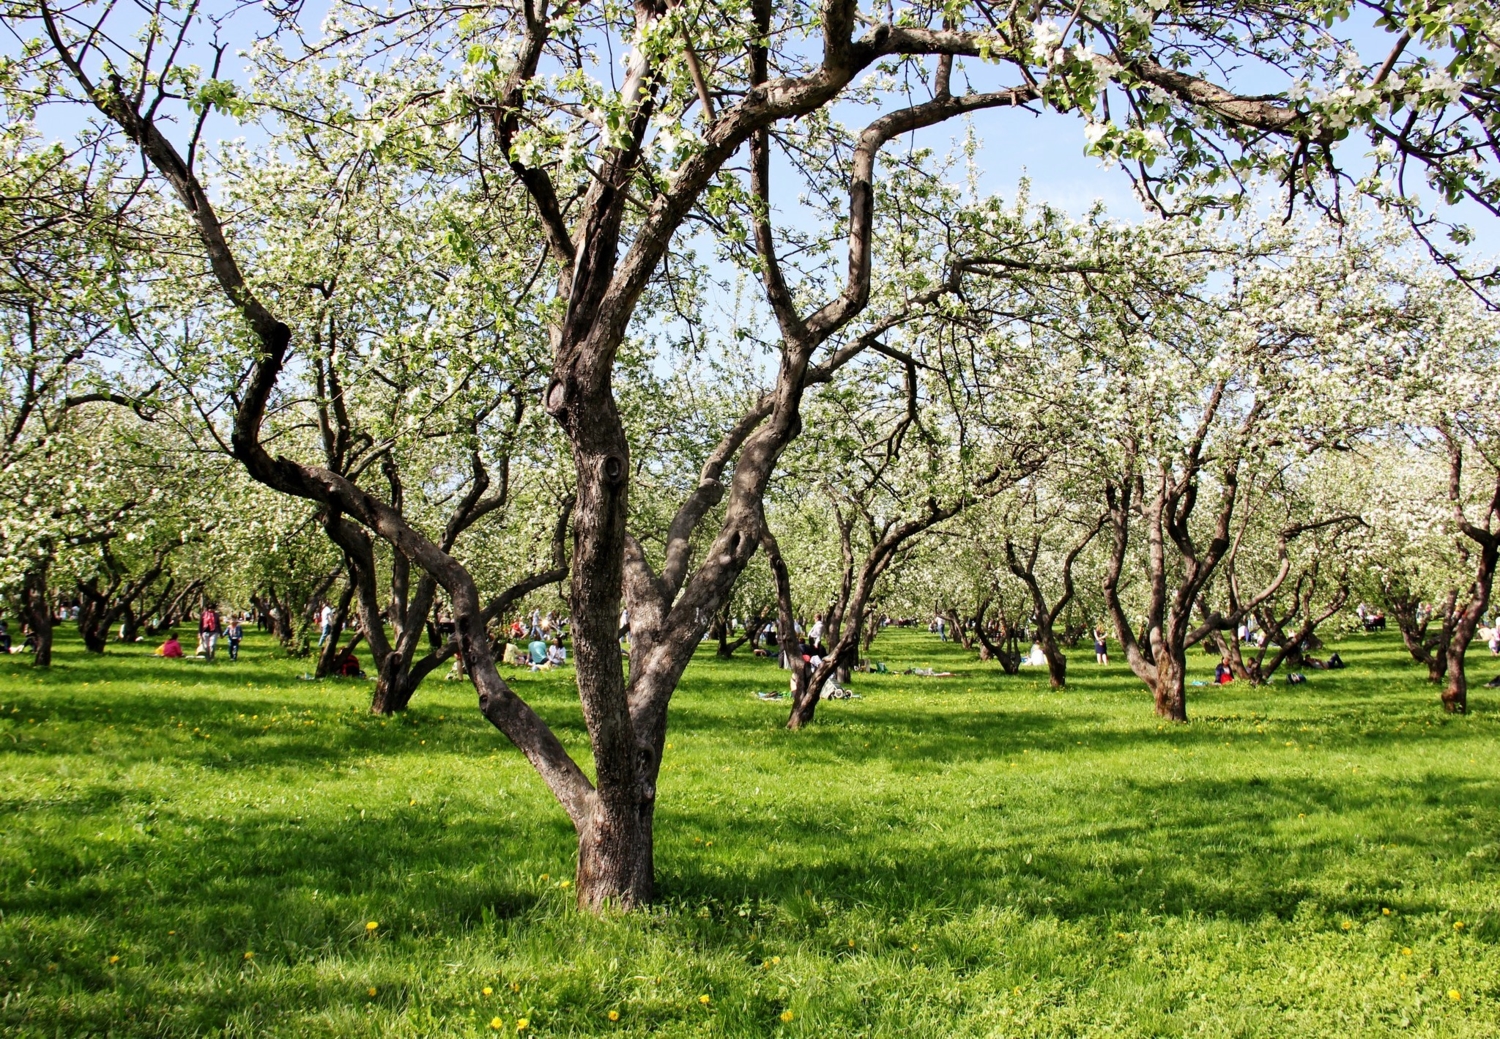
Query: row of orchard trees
[1260, 424]
[457, 295]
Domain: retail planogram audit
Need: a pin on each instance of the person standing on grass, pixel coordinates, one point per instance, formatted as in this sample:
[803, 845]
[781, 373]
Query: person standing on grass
[208, 631]
[326, 620]
[233, 633]
[1101, 647]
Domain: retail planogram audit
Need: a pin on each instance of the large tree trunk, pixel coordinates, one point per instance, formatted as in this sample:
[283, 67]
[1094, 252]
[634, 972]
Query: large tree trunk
[1170, 686]
[616, 856]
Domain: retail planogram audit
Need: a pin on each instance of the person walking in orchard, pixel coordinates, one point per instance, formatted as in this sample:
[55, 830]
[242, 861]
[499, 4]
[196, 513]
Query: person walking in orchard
[208, 631]
[233, 633]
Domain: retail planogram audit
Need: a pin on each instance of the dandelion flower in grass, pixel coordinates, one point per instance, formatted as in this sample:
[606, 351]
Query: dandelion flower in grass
[704, 999]
[1385, 910]
[522, 1024]
[786, 1017]
[114, 959]
[249, 955]
[487, 991]
[1405, 952]
[372, 925]
[496, 1023]
[1346, 925]
[1453, 993]
[564, 883]
[614, 1015]
[515, 986]
[1458, 925]
[372, 991]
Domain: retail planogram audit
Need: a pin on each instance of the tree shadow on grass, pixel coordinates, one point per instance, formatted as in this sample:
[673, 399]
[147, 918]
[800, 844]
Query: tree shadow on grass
[1153, 849]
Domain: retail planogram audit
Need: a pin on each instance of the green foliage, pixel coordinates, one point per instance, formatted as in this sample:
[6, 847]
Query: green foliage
[970, 856]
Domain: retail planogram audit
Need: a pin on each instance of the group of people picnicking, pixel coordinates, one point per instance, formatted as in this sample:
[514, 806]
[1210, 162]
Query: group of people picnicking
[536, 642]
[211, 629]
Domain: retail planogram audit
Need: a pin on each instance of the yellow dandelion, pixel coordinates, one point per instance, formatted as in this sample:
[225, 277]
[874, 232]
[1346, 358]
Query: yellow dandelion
[704, 999]
[786, 1017]
[1458, 926]
[1454, 994]
[487, 991]
[851, 943]
[171, 932]
[546, 876]
[114, 959]
[372, 991]
[614, 1015]
[249, 955]
[1385, 910]
[515, 986]
[372, 925]
[1405, 952]
[775, 959]
[522, 1024]
[564, 883]
[496, 1023]
[1346, 925]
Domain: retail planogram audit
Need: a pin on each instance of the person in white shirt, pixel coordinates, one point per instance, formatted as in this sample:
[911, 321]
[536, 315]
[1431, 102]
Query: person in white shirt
[327, 621]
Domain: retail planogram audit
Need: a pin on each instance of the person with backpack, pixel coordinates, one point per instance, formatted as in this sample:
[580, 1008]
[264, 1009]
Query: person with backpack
[208, 631]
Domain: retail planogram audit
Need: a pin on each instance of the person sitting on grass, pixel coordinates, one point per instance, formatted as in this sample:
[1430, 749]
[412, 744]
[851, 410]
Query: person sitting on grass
[511, 655]
[556, 655]
[346, 665]
[537, 650]
[1223, 674]
[171, 647]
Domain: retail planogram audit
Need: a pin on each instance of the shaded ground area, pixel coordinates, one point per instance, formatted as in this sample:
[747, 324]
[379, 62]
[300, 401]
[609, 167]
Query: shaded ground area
[194, 849]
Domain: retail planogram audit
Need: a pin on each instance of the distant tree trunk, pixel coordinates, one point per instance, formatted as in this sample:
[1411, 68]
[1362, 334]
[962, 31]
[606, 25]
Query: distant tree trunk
[884, 544]
[1487, 540]
[786, 625]
[281, 619]
[130, 624]
[94, 614]
[1426, 646]
[750, 633]
[1024, 568]
[1456, 693]
[329, 651]
[1007, 650]
[38, 610]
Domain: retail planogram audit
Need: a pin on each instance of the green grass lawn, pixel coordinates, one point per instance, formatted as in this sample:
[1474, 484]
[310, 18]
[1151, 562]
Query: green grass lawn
[190, 849]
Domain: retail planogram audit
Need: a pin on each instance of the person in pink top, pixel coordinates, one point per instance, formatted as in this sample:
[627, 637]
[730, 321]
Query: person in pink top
[171, 647]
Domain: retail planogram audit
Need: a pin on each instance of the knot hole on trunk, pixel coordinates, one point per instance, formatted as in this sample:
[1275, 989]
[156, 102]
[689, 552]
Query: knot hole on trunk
[614, 469]
[557, 399]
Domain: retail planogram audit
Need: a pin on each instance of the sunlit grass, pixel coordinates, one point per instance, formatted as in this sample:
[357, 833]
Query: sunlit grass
[192, 849]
